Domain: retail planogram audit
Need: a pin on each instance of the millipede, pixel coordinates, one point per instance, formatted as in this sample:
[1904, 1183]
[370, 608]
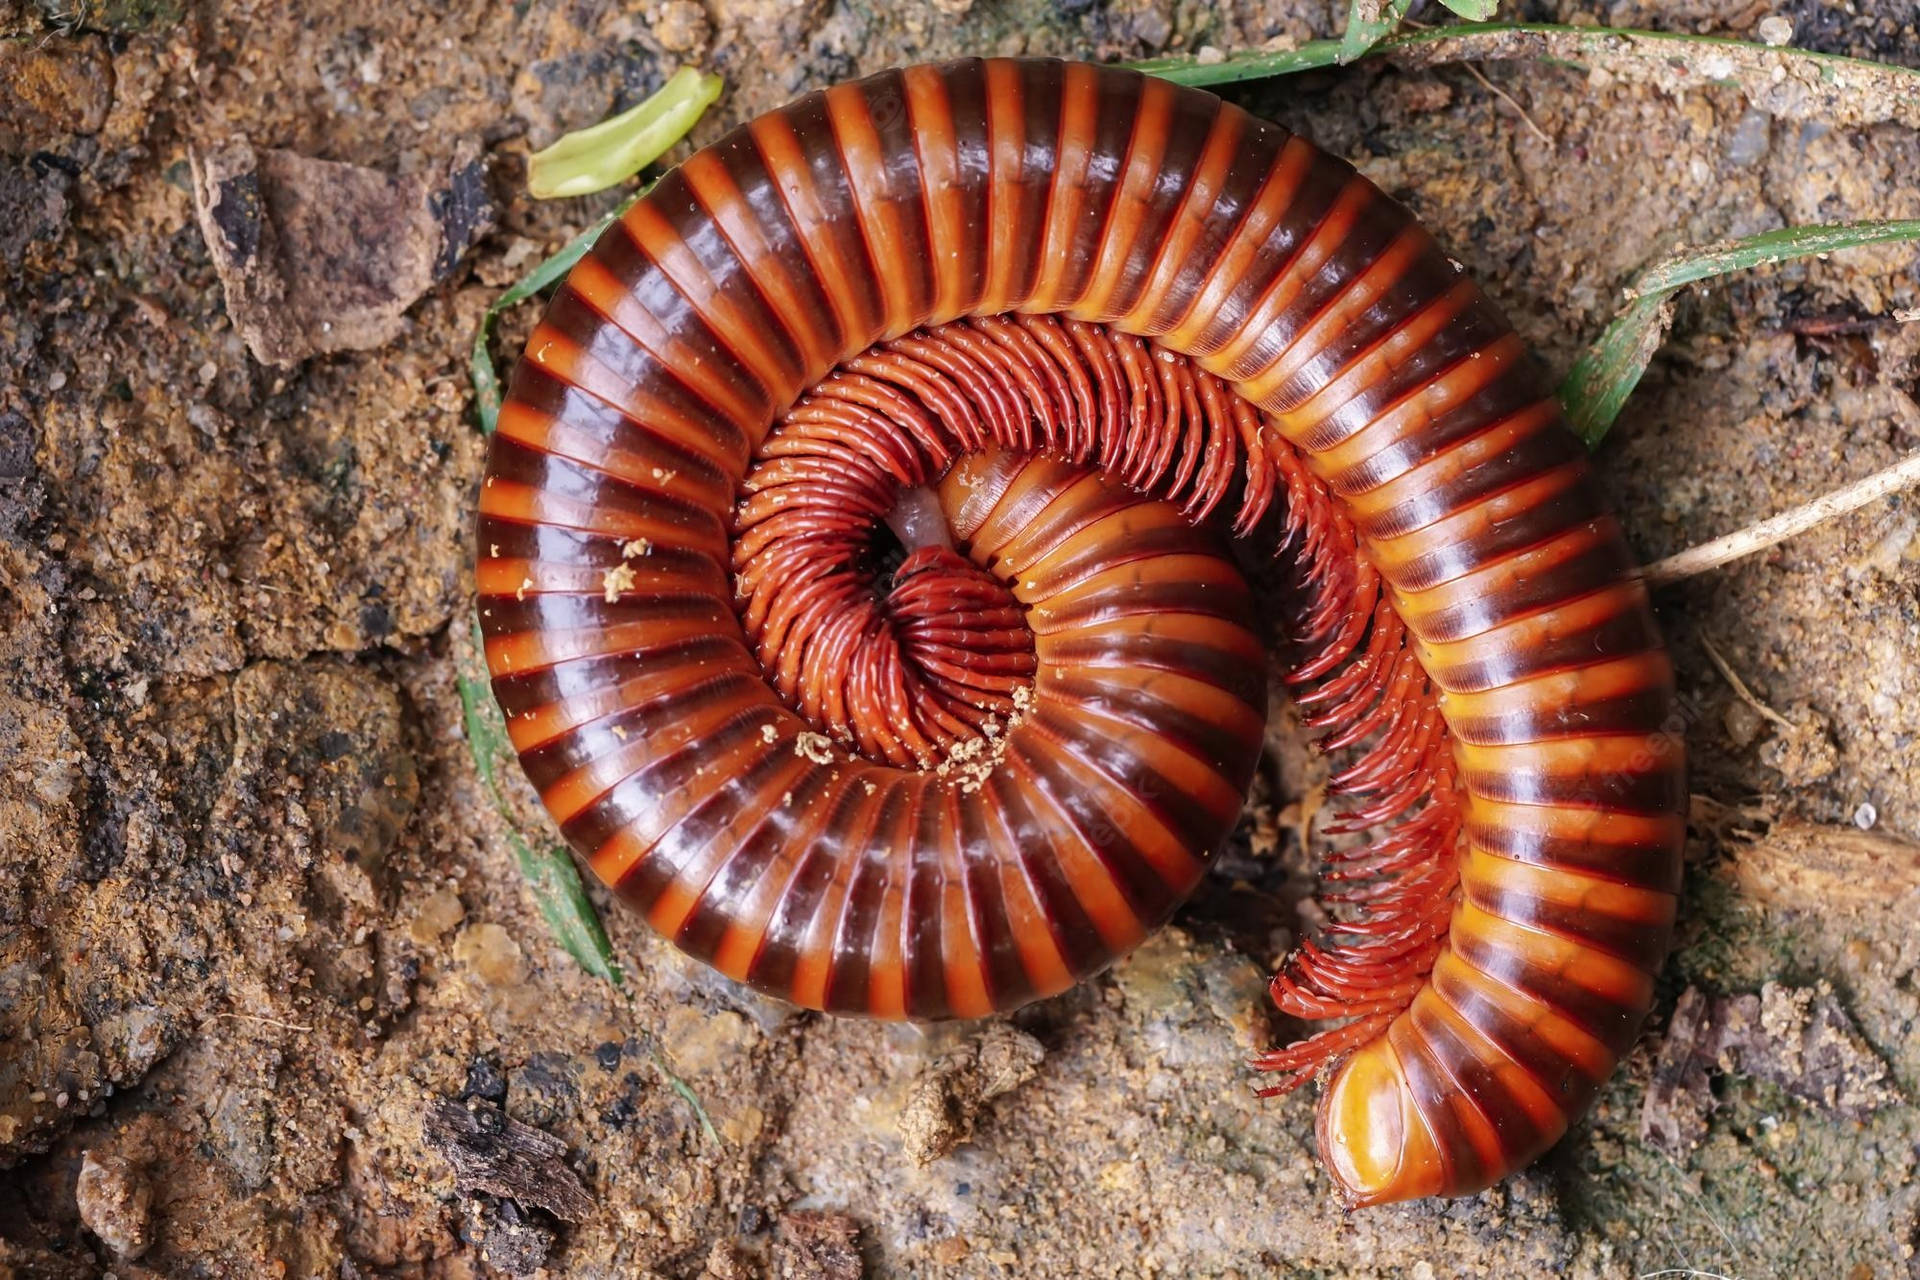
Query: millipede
[856, 577]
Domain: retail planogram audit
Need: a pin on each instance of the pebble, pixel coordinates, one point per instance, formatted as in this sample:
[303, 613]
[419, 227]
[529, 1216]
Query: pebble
[700, 1042]
[491, 953]
[54, 87]
[1776, 31]
[1866, 815]
[440, 912]
[115, 1200]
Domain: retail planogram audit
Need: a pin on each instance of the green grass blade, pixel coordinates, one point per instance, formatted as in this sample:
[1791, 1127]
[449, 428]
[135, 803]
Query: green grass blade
[1368, 23]
[555, 882]
[688, 1096]
[486, 731]
[590, 160]
[486, 383]
[1850, 90]
[1606, 373]
[1257, 64]
[1473, 10]
[1770, 247]
[548, 869]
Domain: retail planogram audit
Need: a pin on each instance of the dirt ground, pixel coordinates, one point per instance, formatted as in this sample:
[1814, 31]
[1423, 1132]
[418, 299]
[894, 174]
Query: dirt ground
[258, 921]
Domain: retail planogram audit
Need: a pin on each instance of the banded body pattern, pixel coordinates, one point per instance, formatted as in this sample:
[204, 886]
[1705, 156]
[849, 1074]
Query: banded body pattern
[1040, 320]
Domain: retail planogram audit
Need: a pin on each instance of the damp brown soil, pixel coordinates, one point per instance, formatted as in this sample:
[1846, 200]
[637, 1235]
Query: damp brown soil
[260, 928]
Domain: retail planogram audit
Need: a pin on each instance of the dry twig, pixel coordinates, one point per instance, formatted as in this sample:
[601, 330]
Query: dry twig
[1903, 474]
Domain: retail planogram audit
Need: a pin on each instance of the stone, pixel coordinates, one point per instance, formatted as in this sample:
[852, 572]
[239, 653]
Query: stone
[53, 89]
[317, 255]
[115, 1200]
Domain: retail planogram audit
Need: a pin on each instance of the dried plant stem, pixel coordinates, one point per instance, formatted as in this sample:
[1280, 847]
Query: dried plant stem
[1903, 474]
[1740, 689]
[1507, 98]
[255, 1017]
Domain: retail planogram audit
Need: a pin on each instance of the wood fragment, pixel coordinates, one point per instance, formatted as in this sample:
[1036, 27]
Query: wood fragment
[1804, 864]
[491, 1151]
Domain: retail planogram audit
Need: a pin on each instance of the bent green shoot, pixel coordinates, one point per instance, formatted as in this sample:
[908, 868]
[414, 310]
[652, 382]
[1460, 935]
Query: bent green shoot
[486, 383]
[1606, 373]
[593, 159]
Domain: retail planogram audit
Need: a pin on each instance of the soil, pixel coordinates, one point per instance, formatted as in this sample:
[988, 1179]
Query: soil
[260, 924]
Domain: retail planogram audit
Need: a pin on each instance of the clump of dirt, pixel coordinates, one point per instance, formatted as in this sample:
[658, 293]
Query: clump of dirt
[944, 1102]
[259, 920]
[1799, 1039]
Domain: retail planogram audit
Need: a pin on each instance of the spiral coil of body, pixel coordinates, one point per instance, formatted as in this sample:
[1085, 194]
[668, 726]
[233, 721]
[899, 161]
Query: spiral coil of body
[1083, 311]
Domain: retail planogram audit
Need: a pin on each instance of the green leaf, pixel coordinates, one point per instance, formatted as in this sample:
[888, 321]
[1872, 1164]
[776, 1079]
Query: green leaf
[1368, 22]
[1473, 10]
[1606, 373]
[548, 869]
[1769, 247]
[612, 151]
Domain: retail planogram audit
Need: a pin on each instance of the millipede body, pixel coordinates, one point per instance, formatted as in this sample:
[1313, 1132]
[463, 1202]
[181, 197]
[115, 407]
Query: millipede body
[853, 572]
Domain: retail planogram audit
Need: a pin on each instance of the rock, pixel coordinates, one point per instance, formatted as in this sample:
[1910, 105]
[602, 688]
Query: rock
[33, 206]
[116, 1202]
[54, 89]
[728, 1261]
[946, 1099]
[439, 912]
[1195, 1006]
[241, 1131]
[492, 954]
[817, 1246]
[510, 1239]
[337, 728]
[18, 440]
[700, 1042]
[554, 95]
[682, 26]
[318, 256]
[485, 1080]
[1804, 754]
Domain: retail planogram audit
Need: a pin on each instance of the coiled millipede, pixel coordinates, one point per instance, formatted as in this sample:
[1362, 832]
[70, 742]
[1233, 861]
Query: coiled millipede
[852, 580]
